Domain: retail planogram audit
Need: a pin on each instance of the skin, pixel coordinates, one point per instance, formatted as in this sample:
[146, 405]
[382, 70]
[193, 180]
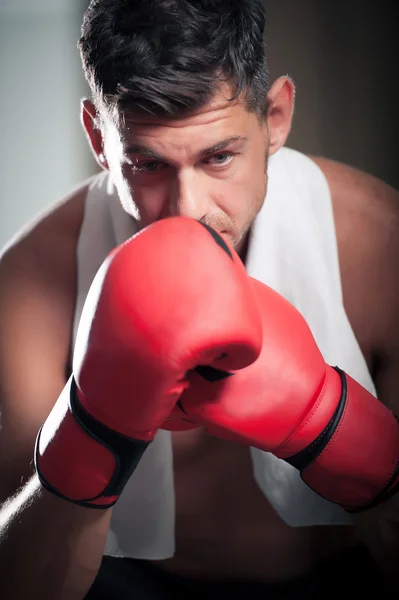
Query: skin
[213, 477]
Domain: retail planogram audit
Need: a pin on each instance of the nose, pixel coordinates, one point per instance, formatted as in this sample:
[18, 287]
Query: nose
[188, 197]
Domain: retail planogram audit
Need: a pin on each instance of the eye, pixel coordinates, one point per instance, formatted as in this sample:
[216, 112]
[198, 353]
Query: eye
[148, 167]
[221, 159]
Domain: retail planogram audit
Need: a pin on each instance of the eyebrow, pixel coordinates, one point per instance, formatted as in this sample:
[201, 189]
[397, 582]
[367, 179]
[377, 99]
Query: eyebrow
[150, 153]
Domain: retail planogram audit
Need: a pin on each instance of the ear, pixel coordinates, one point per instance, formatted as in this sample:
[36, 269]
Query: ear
[89, 121]
[280, 112]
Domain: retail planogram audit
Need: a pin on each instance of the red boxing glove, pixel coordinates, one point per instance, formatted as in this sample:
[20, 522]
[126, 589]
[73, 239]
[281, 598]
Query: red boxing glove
[289, 402]
[173, 297]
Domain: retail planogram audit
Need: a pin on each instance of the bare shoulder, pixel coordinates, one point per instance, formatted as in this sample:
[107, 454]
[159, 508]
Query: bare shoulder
[43, 252]
[366, 212]
[38, 287]
[357, 191]
[61, 218]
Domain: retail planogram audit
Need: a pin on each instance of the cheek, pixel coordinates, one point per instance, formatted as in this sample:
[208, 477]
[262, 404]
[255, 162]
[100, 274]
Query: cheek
[149, 199]
[242, 194]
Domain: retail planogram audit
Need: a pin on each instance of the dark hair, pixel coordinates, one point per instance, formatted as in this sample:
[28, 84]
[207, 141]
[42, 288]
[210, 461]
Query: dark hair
[170, 56]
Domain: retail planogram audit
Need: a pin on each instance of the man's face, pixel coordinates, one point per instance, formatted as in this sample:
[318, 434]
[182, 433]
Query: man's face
[210, 166]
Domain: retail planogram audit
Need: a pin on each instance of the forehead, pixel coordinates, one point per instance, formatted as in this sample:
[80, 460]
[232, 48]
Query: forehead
[220, 117]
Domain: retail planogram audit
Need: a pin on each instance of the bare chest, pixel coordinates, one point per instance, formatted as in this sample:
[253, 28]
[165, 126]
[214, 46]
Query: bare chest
[225, 527]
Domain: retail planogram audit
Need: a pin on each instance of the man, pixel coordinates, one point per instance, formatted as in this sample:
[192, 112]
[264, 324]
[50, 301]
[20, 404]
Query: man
[184, 122]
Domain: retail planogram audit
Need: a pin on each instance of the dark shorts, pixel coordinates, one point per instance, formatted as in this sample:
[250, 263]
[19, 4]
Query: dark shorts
[350, 571]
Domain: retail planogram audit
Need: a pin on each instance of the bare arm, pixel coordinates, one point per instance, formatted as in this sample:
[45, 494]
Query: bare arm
[379, 527]
[47, 546]
[367, 223]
